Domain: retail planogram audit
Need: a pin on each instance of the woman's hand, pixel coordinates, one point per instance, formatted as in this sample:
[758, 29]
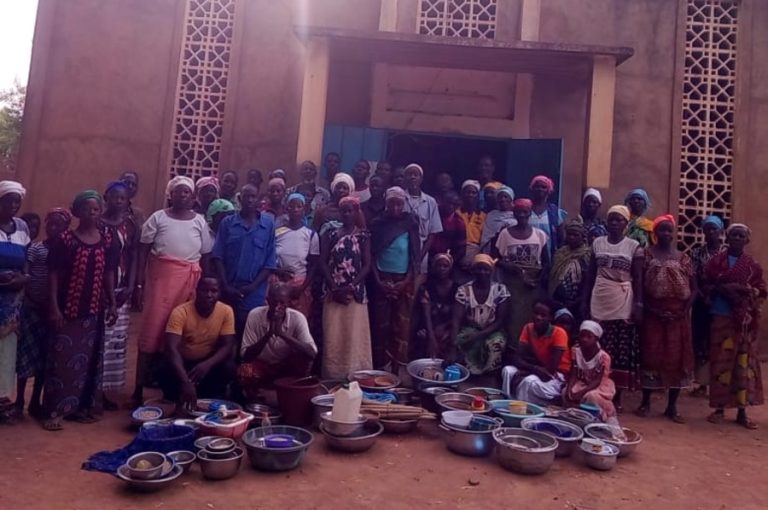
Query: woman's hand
[122, 296]
[137, 298]
[111, 315]
[56, 318]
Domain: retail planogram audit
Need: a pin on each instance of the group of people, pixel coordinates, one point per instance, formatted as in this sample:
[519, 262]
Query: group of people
[241, 285]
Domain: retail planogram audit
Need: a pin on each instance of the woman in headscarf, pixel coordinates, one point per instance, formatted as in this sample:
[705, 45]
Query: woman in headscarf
[131, 181]
[639, 227]
[570, 267]
[174, 249]
[614, 291]
[329, 216]
[217, 211]
[206, 190]
[14, 239]
[119, 226]
[594, 225]
[499, 218]
[490, 189]
[546, 215]
[297, 248]
[523, 261]
[395, 249]
[346, 261]
[433, 317]
[701, 255]
[474, 219]
[736, 288]
[666, 345]
[34, 330]
[276, 201]
[82, 264]
[228, 186]
[478, 318]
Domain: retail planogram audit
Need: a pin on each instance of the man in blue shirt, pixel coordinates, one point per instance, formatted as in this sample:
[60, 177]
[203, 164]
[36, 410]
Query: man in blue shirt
[244, 255]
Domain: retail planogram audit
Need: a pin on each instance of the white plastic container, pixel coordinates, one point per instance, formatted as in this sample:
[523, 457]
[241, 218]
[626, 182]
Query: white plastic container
[460, 419]
[346, 404]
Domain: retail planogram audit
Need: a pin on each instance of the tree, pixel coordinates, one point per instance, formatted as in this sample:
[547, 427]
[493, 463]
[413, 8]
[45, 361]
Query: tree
[11, 114]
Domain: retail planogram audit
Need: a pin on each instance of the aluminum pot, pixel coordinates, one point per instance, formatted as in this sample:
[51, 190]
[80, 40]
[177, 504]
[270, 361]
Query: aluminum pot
[357, 443]
[470, 443]
[567, 434]
[265, 458]
[428, 394]
[524, 451]
[460, 402]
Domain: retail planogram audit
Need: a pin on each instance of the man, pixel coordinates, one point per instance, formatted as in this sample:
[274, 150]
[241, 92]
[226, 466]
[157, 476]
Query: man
[484, 174]
[316, 196]
[542, 361]
[332, 165]
[200, 347]
[453, 238]
[255, 178]
[384, 169]
[360, 173]
[276, 343]
[424, 207]
[244, 255]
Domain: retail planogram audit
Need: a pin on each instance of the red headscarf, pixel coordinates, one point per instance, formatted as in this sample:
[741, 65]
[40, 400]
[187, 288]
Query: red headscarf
[661, 219]
[544, 179]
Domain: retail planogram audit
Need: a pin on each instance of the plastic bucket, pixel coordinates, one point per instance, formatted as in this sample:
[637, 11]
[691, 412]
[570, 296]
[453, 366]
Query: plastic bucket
[294, 398]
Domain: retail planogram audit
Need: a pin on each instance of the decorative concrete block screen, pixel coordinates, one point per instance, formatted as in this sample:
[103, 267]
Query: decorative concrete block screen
[709, 84]
[202, 87]
[458, 18]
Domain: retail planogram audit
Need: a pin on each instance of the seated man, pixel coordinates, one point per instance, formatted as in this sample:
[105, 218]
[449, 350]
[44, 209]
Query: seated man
[200, 347]
[541, 363]
[276, 343]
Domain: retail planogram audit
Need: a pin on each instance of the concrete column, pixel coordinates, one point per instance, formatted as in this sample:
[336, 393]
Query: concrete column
[530, 20]
[599, 136]
[313, 101]
[388, 16]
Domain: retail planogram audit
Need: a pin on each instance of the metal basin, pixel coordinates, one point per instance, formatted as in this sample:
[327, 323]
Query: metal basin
[321, 404]
[501, 409]
[567, 434]
[148, 485]
[393, 426]
[603, 460]
[611, 434]
[342, 428]
[524, 451]
[416, 367]
[220, 468]
[375, 380]
[428, 394]
[265, 458]
[183, 458]
[361, 442]
[259, 410]
[460, 402]
[470, 443]
[576, 416]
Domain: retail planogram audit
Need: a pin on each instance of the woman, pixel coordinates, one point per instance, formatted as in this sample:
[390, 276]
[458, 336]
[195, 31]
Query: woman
[217, 211]
[276, 201]
[590, 379]
[570, 266]
[395, 250]
[174, 249]
[499, 218]
[433, 317]
[478, 318]
[131, 181]
[639, 227]
[346, 254]
[207, 190]
[329, 217]
[590, 207]
[474, 219]
[228, 186]
[615, 295]
[700, 255]
[82, 266]
[736, 288]
[666, 342]
[119, 227]
[297, 248]
[523, 260]
[546, 215]
[14, 239]
[33, 328]
[490, 189]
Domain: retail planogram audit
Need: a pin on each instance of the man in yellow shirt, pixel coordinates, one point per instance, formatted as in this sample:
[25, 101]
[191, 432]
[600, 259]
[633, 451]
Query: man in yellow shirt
[200, 347]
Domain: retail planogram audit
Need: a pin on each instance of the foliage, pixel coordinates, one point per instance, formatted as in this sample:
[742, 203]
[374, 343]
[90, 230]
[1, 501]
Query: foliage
[11, 113]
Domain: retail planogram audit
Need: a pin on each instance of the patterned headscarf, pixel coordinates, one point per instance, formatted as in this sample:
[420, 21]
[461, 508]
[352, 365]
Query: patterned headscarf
[89, 194]
[734, 226]
[217, 206]
[276, 180]
[62, 211]
[482, 258]
[576, 224]
[202, 182]
[543, 179]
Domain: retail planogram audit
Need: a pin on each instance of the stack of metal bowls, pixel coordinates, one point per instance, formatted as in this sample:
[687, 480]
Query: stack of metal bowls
[475, 440]
[321, 404]
[220, 458]
[626, 440]
[149, 471]
[359, 441]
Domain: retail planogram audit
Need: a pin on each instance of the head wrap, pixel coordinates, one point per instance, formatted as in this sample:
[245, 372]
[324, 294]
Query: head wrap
[713, 220]
[482, 258]
[592, 192]
[114, 184]
[276, 180]
[349, 199]
[621, 210]
[179, 180]
[396, 192]
[61, 211]
[217, 206]
[522, 203]
[442, 256]
[11, 187]
[543, 179]
[89, 194]
[417, 167]
[563, 312]
[506, 190]
[734, 226]
[202, 182]
[345, 178]
[661, 219]
[296, 196]
[576, 224]
[640, 193]
[278, 172]
[593, 327]
[471, 182]
[493, 185]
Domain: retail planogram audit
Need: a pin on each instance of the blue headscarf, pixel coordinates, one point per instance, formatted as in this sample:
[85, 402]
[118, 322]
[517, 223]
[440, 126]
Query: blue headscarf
[296, 196]
[639, 192]
[713, 220]
[115, 184]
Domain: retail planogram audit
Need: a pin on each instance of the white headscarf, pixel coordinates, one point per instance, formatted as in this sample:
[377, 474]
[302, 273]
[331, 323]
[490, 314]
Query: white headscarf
[179, 180]
[396, 192]
[471, 182]
[592, 192]
[414, 165]
[345, 178]
[11, 187]
[593, 327]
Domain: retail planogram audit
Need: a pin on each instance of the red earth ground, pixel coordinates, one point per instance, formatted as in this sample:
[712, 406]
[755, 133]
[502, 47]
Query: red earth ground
[692, 466]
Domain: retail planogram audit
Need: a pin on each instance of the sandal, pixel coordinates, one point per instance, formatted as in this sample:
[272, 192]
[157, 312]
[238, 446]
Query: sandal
[643, 411]
[717, 417]
[674, 416]
[52, 425]
[745, 422]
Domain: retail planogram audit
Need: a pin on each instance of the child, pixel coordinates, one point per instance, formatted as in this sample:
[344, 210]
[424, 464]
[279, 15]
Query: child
[564, 318]
[30, 358]
[590, 379]
[33, 224]
[434, 312]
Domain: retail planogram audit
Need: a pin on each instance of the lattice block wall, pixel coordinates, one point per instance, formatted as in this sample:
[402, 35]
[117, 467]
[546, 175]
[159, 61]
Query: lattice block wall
[458, 18]
[202, 87]
[709, 84]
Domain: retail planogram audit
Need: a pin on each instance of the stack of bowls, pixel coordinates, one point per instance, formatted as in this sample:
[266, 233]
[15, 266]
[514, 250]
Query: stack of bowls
[183, 458]
[220, 458]
[626, 440]
[277, 448]
[341, 428]
[149, 471]
[321, 404]
[598, 454]
[471, 438]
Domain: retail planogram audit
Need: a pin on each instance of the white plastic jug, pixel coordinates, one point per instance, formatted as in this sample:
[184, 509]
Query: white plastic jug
[346, 403]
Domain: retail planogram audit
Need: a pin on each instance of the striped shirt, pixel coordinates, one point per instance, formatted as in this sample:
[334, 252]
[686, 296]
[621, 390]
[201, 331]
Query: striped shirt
[36, 290]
